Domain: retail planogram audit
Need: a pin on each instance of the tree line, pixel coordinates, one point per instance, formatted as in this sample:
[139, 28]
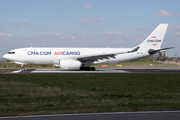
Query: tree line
[158, 57]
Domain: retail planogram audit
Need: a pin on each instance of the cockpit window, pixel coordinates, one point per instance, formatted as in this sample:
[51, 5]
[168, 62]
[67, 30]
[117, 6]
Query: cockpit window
[11, 52]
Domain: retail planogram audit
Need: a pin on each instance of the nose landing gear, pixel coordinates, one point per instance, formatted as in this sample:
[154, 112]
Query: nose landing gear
[22, 68]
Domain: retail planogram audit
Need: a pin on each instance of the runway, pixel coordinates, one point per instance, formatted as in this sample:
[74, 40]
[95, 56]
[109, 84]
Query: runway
[148, 115]
[29, 71]
[128, 69]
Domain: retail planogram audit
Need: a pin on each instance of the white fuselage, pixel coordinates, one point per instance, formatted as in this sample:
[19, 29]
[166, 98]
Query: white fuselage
[54, 55]
[68, 58]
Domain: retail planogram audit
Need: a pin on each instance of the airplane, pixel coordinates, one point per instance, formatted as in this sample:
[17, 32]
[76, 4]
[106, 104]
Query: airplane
[83, 58]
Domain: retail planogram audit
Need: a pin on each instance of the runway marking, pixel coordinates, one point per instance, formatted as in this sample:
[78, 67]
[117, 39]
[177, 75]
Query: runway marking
[17, 71]
[90, 114]
[77, 71]
[6, 73]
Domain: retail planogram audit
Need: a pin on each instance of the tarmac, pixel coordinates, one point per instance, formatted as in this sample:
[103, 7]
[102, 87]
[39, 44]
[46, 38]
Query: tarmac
[124, 69]
[147, 115]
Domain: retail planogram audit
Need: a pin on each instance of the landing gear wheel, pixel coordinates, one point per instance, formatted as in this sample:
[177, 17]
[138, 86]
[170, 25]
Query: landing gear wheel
[82, 68]
[87, 68]
[22, 69]
[93, 69]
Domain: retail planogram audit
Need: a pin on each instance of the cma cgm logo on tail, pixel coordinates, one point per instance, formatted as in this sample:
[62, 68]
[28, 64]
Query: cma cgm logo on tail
[153, 40]
[67, 53]
[39, 53]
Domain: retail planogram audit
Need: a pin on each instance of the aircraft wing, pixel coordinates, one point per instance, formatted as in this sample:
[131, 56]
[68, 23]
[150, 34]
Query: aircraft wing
[96, 57]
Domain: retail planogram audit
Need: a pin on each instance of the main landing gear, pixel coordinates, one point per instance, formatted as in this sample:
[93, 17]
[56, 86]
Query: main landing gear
[87, 68]
[22, 67]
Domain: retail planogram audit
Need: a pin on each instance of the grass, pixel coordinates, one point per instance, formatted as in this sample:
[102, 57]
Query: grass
[32, 94]
[133, 63]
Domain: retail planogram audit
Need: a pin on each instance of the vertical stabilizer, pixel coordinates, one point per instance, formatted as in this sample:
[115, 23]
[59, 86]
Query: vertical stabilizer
[155, 39]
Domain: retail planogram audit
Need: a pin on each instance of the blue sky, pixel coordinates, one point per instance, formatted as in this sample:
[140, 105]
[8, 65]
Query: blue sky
[86, 23]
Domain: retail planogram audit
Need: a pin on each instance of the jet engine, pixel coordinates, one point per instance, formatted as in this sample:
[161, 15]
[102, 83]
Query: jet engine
[69, 64]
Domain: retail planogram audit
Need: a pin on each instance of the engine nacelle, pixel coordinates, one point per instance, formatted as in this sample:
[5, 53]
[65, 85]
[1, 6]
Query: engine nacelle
[69, 64]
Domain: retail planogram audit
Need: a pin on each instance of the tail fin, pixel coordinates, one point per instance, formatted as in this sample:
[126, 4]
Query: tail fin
[155, 39]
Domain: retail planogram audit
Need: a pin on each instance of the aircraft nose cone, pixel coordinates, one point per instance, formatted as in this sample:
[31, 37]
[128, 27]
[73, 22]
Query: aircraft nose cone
[4, 56]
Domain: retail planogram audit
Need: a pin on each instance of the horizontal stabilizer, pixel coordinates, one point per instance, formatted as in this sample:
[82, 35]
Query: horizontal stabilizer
[151, 51]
